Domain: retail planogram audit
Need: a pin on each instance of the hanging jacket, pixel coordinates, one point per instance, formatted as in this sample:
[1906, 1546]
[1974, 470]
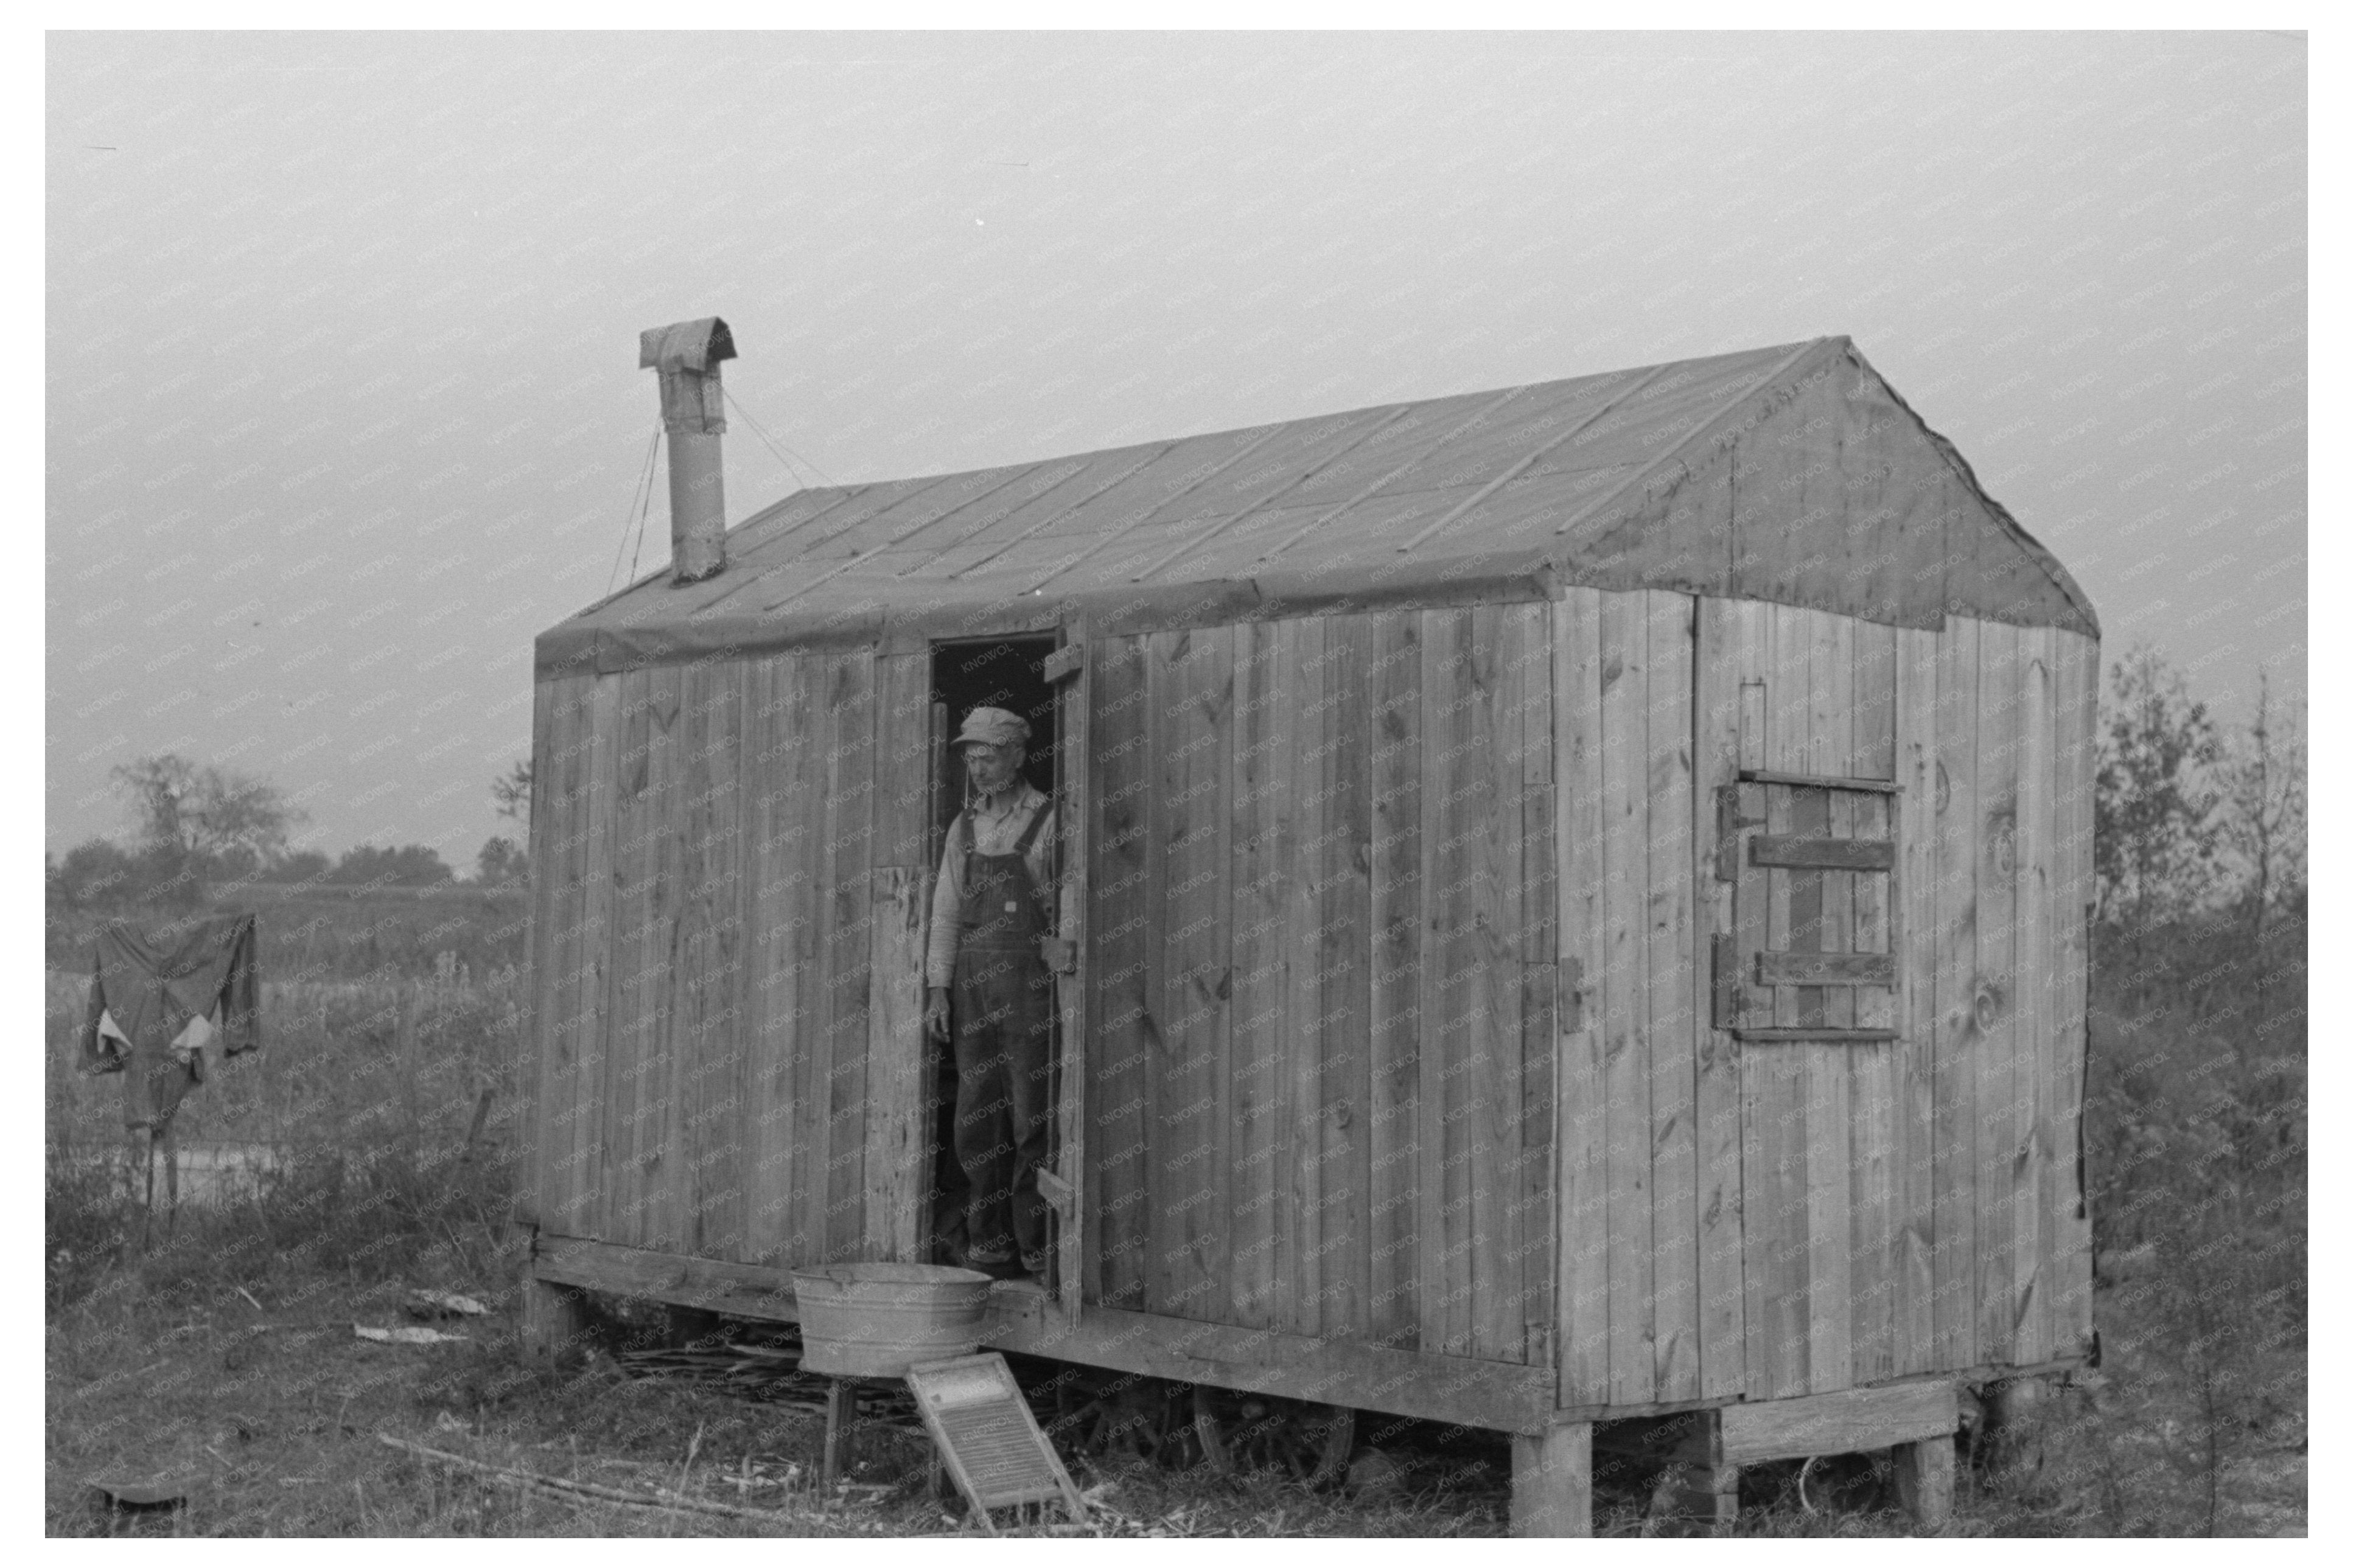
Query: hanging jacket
[157, 1006]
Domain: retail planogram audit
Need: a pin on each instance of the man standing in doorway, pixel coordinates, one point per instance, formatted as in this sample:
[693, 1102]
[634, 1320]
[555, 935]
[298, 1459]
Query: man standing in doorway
[992, 931]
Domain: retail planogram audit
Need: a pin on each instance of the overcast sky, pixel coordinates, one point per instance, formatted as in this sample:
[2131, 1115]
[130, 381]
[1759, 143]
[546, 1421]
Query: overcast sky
[344, 406]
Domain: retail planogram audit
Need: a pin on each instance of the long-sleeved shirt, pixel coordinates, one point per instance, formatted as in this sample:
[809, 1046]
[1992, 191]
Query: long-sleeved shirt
[157, 1004]
[994, 832]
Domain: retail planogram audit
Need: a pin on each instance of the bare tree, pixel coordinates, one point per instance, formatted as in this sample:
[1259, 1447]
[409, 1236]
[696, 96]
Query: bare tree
[2264, 823]
[511, 791]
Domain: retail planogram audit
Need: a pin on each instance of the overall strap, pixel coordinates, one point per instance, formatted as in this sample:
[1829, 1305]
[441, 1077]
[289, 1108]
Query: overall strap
[1030, 834]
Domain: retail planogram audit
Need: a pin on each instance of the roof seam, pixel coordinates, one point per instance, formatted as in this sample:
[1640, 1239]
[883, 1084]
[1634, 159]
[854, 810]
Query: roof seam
[1399, 412]
[1675, 453]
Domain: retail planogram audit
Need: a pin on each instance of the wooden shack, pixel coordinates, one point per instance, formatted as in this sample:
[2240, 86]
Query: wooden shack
[1581, 891]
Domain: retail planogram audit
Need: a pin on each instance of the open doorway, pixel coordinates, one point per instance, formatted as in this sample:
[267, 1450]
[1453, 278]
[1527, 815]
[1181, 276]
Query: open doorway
[1008, 673]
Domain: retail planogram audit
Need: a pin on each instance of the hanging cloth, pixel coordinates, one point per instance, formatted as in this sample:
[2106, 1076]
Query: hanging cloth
[157, 1005]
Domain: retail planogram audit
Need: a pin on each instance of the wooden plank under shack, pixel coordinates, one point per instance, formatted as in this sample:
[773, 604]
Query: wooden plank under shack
[1715, 761]
[1674, 1023]
[1955, 1046]
[1255, 1197]
[1582, 1126]
[1625, 990]
[1124, 929]
[1393, 1034]
[1999, 1126]
[1342, 859]
[1913, 941]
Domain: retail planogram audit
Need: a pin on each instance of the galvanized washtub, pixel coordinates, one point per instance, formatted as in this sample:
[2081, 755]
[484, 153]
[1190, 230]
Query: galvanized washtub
[877, 1320]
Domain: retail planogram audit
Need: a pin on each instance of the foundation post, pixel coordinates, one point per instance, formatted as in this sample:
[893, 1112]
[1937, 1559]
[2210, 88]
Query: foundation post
[1552, 1482]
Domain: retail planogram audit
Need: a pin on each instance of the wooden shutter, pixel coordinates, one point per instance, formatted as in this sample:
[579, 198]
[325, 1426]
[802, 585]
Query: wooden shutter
[1812, 865]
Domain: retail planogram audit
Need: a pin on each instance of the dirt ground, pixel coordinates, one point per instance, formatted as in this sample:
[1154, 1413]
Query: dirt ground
[268, 1407]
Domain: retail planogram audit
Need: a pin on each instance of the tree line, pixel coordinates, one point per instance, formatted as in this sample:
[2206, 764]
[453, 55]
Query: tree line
[195, 827]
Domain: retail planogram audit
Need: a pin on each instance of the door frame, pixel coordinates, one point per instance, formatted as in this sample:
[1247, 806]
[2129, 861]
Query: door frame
[1067, 675]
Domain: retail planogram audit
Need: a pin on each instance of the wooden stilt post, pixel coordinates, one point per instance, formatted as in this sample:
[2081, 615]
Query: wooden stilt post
[841, 1416]
[1552, 1482]
[1923, 1480]
[554, 1322]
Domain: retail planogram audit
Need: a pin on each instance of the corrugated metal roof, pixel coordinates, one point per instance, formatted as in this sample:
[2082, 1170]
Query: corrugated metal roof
[1507, 488]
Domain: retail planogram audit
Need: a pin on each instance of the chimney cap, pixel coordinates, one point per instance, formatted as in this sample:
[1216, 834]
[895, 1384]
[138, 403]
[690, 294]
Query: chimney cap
[695, 345]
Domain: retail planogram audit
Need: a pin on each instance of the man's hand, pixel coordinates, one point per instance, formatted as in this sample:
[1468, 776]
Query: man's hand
[935, 1012]
[1061, 957]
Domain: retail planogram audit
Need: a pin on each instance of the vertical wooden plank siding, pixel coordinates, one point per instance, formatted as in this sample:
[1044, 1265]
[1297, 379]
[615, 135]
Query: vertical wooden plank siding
[617, 1146]
[1397, 937]
[561, 1026]
[1954, 1049]
[1913, 1324]
[779, 827]
[2037, 972]
[1340, 855]
[1195, 1118]
[706, 1148]
[1783, 1299]
[896, 1140]
[1449, 717]
[1538, 1179]
[1625, 990]
[531, 1053]
[1829, 1121]
[812, 1106]
[2074, 679]
[1488, 816]
[593, 976]
[1165, 1125]
[849, 807]
[1298, 1196]
[1582, 1126]
[1715, 761]
[1257, 1198]
[1393, 692]
[891, 1138]
[1871, 1068]
[1673, 1024]
[1998, 1125]
[1123, 932]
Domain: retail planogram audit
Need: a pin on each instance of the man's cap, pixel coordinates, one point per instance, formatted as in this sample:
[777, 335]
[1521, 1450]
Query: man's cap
[993, 727]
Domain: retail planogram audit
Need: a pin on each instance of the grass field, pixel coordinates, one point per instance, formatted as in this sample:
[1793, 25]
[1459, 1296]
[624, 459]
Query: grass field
[229, 1351]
